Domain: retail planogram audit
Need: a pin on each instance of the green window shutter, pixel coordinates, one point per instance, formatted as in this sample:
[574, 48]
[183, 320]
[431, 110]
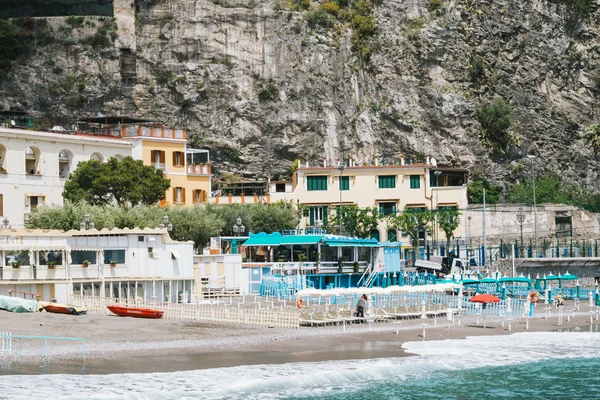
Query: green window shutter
[392, 236]
[312, 216]
[387, 181]
[415, 181]
[344, 183]
[316, 183]
[325, 209]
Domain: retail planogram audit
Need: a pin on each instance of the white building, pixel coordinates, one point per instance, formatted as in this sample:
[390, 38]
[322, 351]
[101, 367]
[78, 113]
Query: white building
[120, 263]
[35, 165]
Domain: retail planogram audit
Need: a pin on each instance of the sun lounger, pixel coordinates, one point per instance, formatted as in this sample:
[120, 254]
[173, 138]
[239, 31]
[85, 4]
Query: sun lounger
[326, 320]
[307, 319]
[382, 315]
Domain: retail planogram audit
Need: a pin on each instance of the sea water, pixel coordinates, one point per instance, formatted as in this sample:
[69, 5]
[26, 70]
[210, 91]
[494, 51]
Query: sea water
[548, 365]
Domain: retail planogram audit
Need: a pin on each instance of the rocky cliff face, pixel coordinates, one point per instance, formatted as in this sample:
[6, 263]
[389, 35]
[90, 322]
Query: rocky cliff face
[260, 85]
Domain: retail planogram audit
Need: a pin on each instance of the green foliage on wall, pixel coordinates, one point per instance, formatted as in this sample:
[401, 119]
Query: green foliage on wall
[19, 38]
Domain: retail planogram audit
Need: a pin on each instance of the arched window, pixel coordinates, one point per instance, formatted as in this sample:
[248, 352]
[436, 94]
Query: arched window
[32, 157]
[119, 157]
[64, 163]
[392, 235]
[2, 159]
[97, 157]
[375, 234]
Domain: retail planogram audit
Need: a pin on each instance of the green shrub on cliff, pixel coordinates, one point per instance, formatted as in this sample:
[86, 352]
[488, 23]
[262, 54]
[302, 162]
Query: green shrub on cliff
[495, 127]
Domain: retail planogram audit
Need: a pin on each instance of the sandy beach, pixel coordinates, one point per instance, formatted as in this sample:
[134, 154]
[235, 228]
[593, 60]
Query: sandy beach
[128, 345]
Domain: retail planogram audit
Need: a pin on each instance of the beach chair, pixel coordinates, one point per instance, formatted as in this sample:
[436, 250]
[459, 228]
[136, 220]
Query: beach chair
[321, 317]
[382, 315]
[307, 319]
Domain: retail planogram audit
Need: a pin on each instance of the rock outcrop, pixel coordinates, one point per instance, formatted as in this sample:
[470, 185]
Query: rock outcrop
[255, 83]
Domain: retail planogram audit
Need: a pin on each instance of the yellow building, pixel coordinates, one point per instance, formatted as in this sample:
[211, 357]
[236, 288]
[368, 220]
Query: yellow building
[188, 169]
[397, 186]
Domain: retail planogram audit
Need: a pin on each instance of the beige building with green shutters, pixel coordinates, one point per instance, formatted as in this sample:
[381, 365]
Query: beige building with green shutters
[391, 188]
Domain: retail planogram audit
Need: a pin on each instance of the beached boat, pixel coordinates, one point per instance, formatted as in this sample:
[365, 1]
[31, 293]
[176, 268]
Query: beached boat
[135, 312]
[65, 309]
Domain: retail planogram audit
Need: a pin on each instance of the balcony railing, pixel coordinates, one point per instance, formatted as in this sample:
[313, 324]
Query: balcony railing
[309, 267]
[204, 169]
[161, 166]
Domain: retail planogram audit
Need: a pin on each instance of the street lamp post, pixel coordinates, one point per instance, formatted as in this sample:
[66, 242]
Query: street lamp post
[521, 220]
[165, 224]
[437, 200]
[86, 223]
[341, 168]
[532, 157]
[238, 227]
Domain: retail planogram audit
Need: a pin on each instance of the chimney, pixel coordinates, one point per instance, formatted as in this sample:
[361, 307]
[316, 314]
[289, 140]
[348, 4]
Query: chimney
[402, 159]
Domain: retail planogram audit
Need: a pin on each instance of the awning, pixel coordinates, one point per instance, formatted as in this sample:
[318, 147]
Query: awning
[264, 239]
[175, 254]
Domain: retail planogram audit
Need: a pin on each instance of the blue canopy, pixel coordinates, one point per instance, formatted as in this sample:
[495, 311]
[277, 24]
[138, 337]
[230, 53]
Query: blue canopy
[277, 239]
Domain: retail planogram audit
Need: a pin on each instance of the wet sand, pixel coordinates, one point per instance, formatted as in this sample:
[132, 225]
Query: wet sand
[129, 345]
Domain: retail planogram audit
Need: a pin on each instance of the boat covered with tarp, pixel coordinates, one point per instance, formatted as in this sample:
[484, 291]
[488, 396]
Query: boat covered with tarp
[17, 304]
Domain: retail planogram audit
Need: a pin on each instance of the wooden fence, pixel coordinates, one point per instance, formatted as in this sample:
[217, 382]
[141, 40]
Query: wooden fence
[271, 318]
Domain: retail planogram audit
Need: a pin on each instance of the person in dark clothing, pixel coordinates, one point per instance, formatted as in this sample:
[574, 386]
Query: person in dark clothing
[361, 305]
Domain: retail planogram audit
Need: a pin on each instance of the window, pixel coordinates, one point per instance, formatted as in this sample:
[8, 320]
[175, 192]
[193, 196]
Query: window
[392, 235]
[563, 227]
[179, 195]
[79, 256]
[387, 181]
[55, 256]
[374, 234]
[316, 182]
[317, 215]
[415, 181]
[280, 187]
[114, 255]
[157, 158]
[448, 178]
[64, 161]
[197, 196]
[141, 238]
[32, 156]
[178, 158]
[344, 183]
[31, 202]
[388, 208]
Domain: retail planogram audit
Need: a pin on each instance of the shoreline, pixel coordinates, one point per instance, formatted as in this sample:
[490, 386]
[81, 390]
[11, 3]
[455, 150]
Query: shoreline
[130, 345]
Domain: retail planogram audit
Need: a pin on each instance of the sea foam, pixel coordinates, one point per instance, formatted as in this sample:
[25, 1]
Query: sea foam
[308, 379]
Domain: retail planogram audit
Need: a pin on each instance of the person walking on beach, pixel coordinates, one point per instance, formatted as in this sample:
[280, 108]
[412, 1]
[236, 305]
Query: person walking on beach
[361, 305]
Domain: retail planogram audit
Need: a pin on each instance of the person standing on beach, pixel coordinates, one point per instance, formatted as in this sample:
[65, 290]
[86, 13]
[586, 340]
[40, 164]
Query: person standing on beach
[299, 303]
[361, 305]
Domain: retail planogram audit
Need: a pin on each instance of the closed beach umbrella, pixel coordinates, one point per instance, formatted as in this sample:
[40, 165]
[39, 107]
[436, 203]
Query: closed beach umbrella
[485, 298]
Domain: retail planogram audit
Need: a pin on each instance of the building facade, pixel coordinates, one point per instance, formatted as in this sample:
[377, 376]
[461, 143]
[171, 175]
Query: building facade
[392, 188]
[35, 165]
[120, 263]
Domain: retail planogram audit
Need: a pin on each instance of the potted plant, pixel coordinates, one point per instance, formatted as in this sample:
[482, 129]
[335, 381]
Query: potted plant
[85, 264]
[113, 263]
[356, 266]
[51, 264]
[15, 264]
[341, 265]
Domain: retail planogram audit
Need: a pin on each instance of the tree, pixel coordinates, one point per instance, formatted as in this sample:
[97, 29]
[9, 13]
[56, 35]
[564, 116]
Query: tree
[495, 127]
[356, 221]
[411, 221]
[448, 221]
[475, 192]
[128, 182]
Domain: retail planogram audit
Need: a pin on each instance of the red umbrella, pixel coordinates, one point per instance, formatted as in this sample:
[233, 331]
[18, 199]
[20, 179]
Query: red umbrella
[485, 298]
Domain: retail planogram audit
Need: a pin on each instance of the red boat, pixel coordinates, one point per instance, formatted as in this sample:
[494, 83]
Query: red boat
[64, 309]
[135, 312]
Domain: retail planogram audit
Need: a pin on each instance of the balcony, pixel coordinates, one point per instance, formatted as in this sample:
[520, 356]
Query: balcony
[199, 169]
